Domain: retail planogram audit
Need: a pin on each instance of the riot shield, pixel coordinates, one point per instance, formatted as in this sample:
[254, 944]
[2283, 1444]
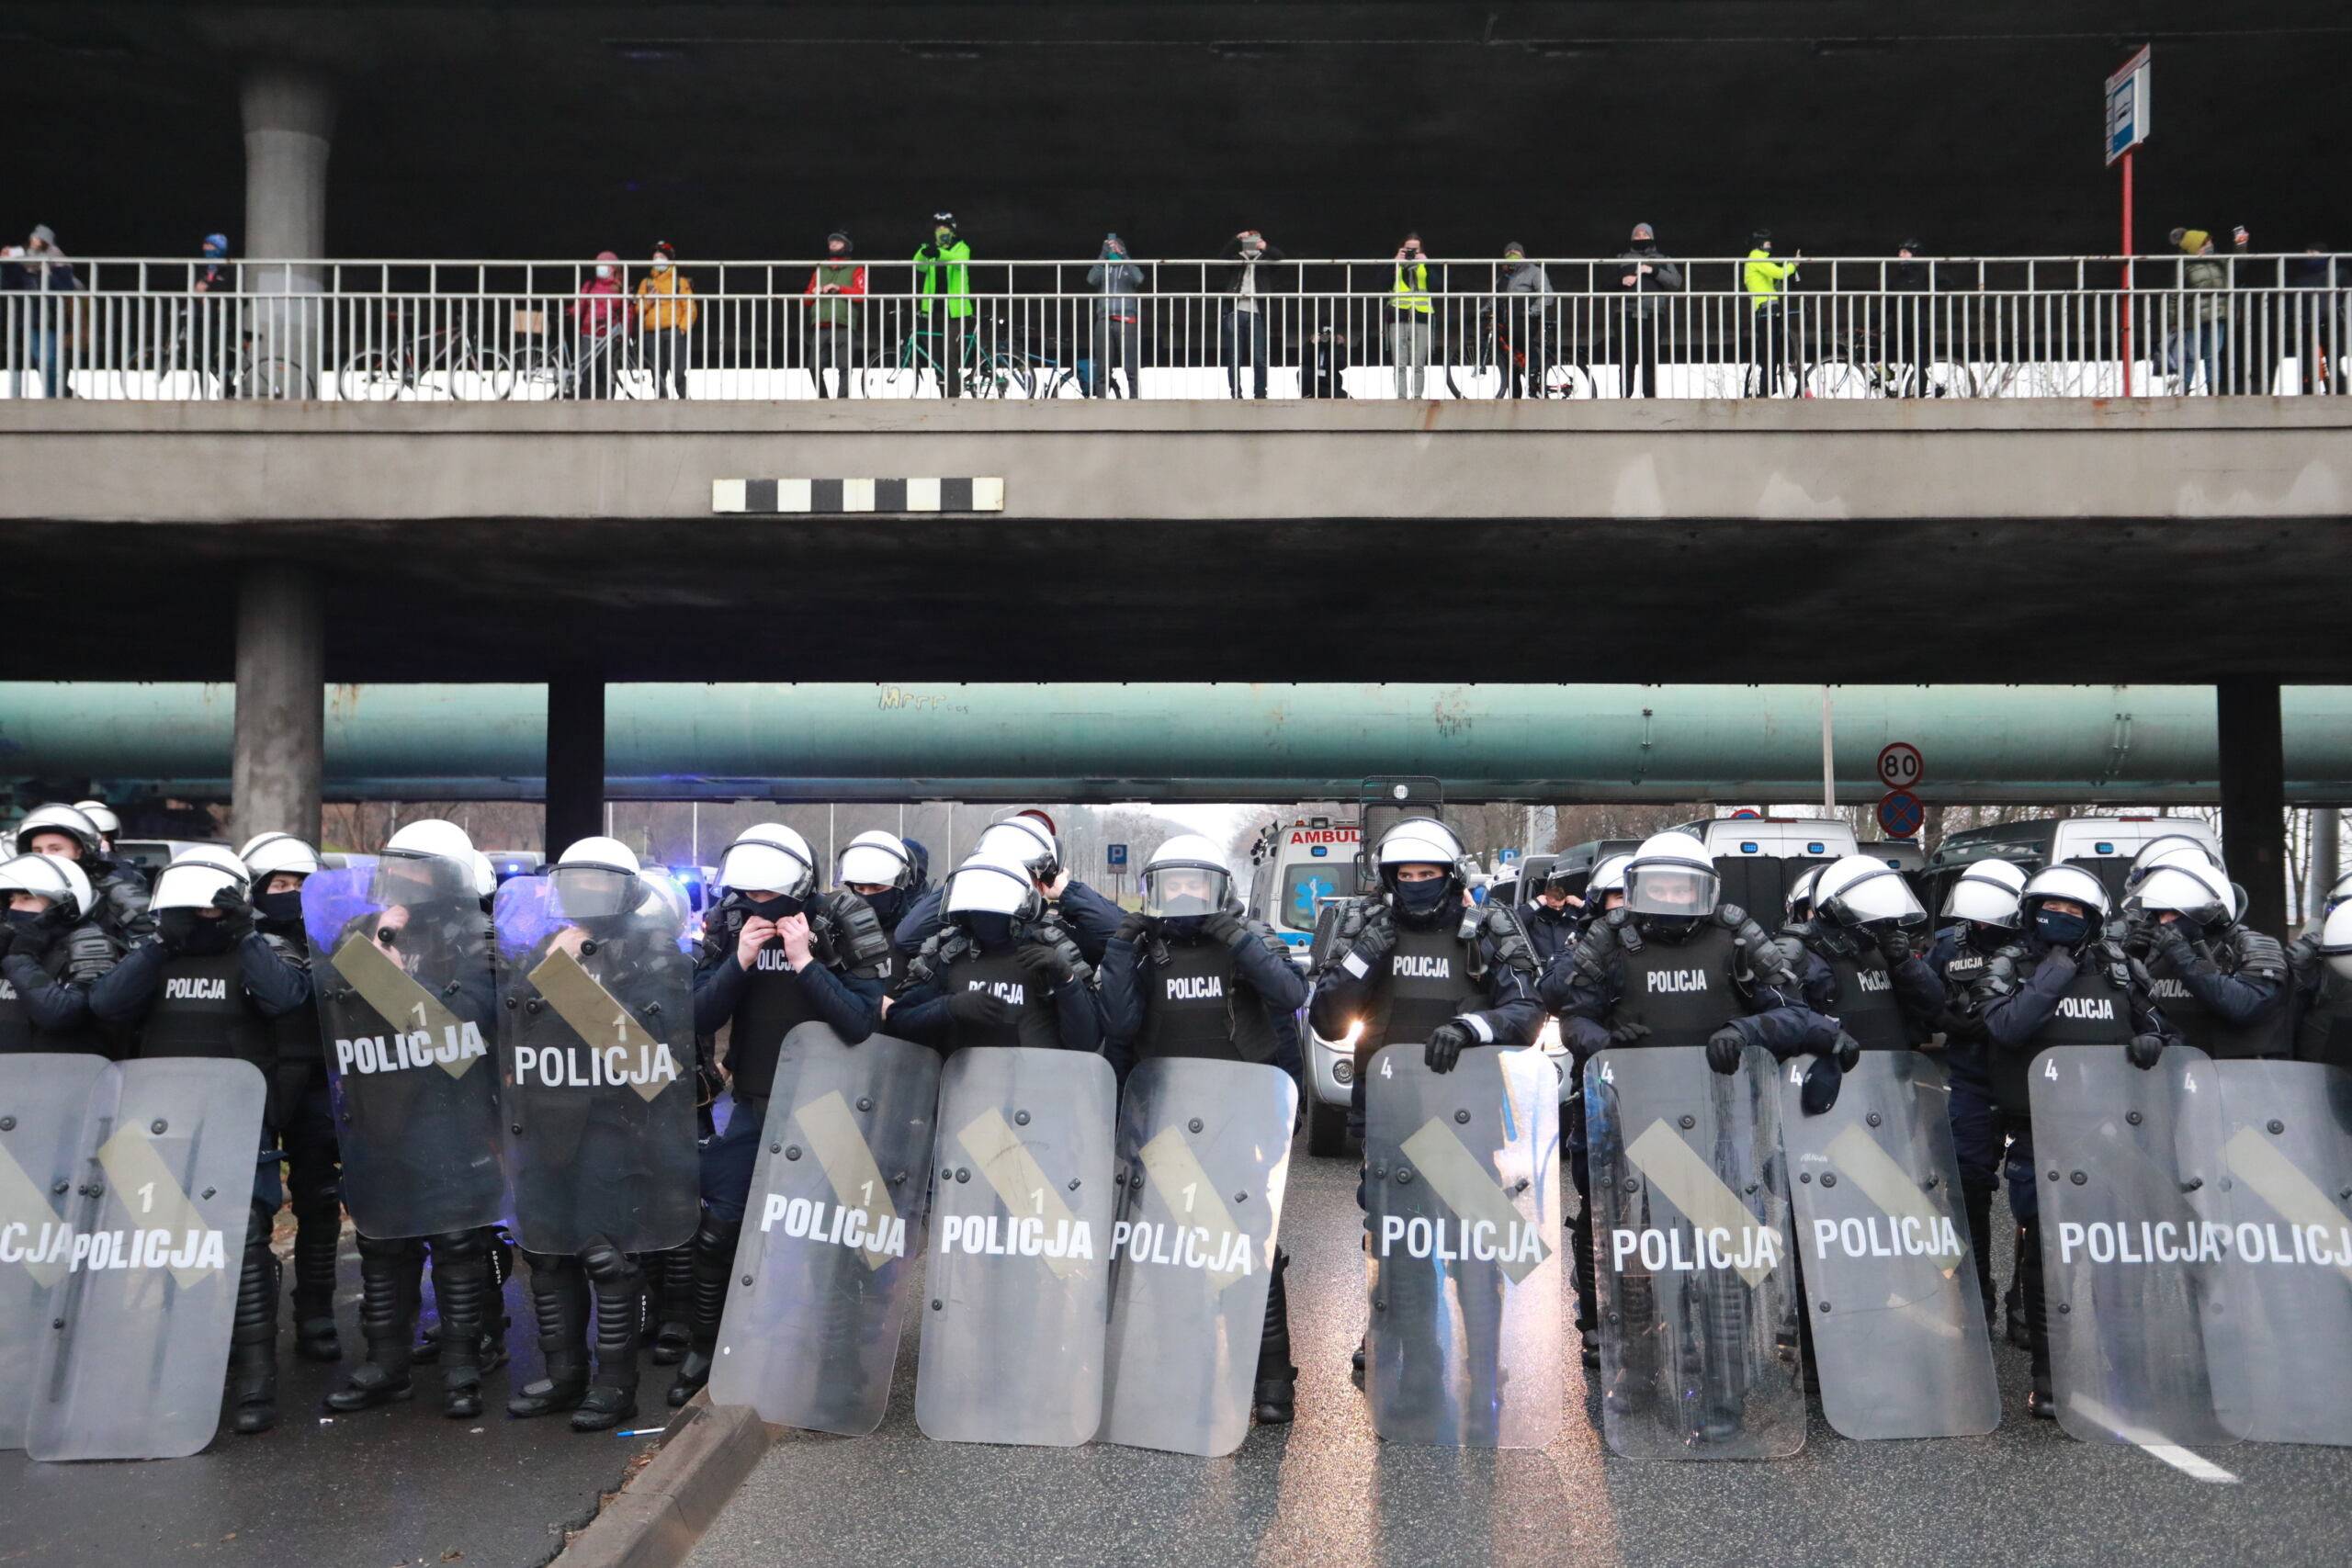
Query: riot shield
[139, 1348]
[1700, 1354]
[1890, 1288]
[2287, 1152]
[2133, 1231]
[817, 1302]
[406, 995]
[1203, 1158]
[1016, 1299]
[1461, 1209]
[597, 1058]
[43, 1098]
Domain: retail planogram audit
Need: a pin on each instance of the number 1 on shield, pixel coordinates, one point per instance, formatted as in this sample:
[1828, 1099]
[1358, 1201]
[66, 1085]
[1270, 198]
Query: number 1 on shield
[147, 1199]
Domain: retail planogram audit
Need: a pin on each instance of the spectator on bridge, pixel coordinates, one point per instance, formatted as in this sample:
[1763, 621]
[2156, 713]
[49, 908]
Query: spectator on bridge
[1763, 279]
[1644, 280]
[836, 284]
[56, 319]
[1243, 327]
[2201, 330]
[599, 320]
[214, 333]
[1409, 307]
[1907, 322]
[2318, 340]
[1117, 284]
[666, 314]
[1522, 354]
[944, 276]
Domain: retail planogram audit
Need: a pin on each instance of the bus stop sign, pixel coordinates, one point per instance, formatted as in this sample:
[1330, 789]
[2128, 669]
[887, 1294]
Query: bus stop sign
[2127, 106]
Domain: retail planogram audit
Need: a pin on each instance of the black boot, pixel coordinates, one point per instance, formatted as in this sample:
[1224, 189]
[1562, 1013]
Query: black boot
[2020, 1335]
[1363, 1344]
[1978, 1201]
[1277, 1378]
[461, 1291]
[714, 1259]
[1587, 1317]
[619, 1286]
[317, 1239]
[252, 1341]
[386, 1319]
[2040, 1402]
[673, 1298]
[559, 1302]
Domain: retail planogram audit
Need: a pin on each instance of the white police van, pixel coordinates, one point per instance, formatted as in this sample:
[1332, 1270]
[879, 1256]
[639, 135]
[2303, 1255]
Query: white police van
[1758, 858]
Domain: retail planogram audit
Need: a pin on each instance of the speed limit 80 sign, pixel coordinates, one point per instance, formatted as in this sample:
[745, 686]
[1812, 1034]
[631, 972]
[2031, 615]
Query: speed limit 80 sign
[1899, 765]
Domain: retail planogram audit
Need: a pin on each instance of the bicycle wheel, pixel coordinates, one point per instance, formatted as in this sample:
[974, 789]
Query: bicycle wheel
[1838, 378]
[274, 380]
[487, 375]
[146, 374]
[1003, 376]
[370, 376]
[1567, 381]
[538, 375]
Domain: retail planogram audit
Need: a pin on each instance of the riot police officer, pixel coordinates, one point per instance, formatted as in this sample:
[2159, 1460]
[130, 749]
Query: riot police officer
[207, 984]
[1856, 958]
[59, 830]
[879, 868]
[2322, 987]
[1665, 963]
[2222, 985]
[776, 954]
[1028, 838]
[103, 819]
[2062, 982]
[1002, 970]
[1554, 915]
[1188, 976]
[300, 1108]
[1982, 908]
[52, 951]
[1798, 907]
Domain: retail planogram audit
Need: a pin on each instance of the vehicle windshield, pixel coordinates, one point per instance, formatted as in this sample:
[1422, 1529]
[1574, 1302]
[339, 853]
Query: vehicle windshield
[1306, 885]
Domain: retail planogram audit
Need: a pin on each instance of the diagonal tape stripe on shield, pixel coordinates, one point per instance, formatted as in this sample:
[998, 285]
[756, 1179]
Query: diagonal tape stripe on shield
[1691, 1185]
[25, 1206]
[398, 1000]
[1459, 1179]
[597, 1016]
[1173, 1167]
[136, 1170]
[1885, 1183]
[850, 1169]
[2274, 1179]
[1008, 1167]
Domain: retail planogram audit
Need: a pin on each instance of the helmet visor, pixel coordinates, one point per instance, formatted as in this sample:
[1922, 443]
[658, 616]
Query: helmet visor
[872, 866]
[1881, 897]
[1671, 889]
[1984, 898]
[191, 886]
[403, 877]
[764, 867]
[591, 892]
[984, 887]
[1182, 889]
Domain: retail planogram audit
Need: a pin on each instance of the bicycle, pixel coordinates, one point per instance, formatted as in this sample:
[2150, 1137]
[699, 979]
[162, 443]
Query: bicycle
[549, 371]
[987, 371]
[1855, 366]
[272, 377]
[379, 374]
[1496, 352]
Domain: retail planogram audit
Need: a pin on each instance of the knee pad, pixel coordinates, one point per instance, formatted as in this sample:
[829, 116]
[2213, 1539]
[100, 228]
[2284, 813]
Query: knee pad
[716, 1235]
[460, 1246]
[605, 1263]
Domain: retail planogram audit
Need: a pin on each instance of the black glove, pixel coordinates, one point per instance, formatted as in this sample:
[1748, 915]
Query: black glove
[1131, 930]
[2173, 943]
[1044, 959]
[1822, 1081]
[1374, 942]
[980, 1009]
[1224, 927]
[1626, 1033]
[174, 929]
[2058, 970]
[1846, 1050]
[1894, 945]
[1447, 1042]
[1724, 1049]
[2143, 1050]
[236, 912]
[7, 938]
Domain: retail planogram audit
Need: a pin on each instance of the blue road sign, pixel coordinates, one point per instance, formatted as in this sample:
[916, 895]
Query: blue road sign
[1900, 814]
[1117, 854]
[2127, 106]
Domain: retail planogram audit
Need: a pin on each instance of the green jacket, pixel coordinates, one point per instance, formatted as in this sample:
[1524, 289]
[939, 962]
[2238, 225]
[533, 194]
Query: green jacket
[1411, 293]
[1763, 276]
[944, 269]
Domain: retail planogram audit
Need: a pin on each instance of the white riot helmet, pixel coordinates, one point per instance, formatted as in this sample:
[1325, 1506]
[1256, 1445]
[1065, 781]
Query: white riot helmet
[53, 877]
[990, 884]
[2195, 890]
[485, 876]
[267, 855]
[102, 818]
[1422, 840]
[1186, 878]
[1864, 890]
[196, 877]
[1672, 876]
[426, 861]
[2338, 895]
[1800, 900]
[875, 859]
[2071, 883]
[2168, 849]
[1987, 894]
[2336, 939]
[1608, 876]
[594, 882]
[59, 818]
[1023, 840]
[769, 857]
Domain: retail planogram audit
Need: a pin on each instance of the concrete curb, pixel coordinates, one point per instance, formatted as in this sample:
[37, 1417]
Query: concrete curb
[658, 1516]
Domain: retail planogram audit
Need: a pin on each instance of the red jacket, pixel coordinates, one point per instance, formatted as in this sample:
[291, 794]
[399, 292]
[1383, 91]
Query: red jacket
[600, 310]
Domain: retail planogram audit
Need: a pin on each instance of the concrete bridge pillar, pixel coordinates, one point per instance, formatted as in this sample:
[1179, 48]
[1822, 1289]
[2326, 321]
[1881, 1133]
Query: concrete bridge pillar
[278, 750]
[2254, 795]
[575, 757]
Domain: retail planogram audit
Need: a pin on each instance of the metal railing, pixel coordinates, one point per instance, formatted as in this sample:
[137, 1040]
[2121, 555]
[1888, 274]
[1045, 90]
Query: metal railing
[377, 330]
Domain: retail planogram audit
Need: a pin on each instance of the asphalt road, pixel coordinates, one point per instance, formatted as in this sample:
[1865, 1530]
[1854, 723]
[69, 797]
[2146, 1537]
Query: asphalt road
[1325, 1491]
[400, 1485]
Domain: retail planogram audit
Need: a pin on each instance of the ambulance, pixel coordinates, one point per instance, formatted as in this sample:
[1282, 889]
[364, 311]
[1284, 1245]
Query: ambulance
[1298, 868]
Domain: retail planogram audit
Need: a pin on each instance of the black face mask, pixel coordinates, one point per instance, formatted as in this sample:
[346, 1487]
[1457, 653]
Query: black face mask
[187, 930]
[1988, 938]
[2060, 931]
[1670, 928]
[27, 919]
[988, 930]
[1421, 901]
[889, 906]
[1182, 928]
[776, 909]
[279, 908]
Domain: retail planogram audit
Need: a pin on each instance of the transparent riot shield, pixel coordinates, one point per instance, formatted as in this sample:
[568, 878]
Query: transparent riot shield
[43, 1098]
[2286, 1153]
[161, 1202]
[2134, 1232]
[596, 1057]
[1203, 1158]
[1017, 1287]
[1700, 1354]
[1889, 1287]
[823, 1269]
[405, 993]
[1462, 1214]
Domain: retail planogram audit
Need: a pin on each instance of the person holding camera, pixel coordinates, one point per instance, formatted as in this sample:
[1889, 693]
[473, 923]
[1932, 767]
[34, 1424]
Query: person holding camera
[1408, 327]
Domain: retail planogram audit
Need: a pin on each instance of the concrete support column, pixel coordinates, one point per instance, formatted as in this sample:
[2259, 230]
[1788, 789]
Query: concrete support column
[2326, 856]
[279, 752]
[575, 759]
[289, 123]
[2254, 795]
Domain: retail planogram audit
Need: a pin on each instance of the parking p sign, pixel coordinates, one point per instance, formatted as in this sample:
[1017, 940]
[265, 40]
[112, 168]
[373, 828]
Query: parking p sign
[1116, 856]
